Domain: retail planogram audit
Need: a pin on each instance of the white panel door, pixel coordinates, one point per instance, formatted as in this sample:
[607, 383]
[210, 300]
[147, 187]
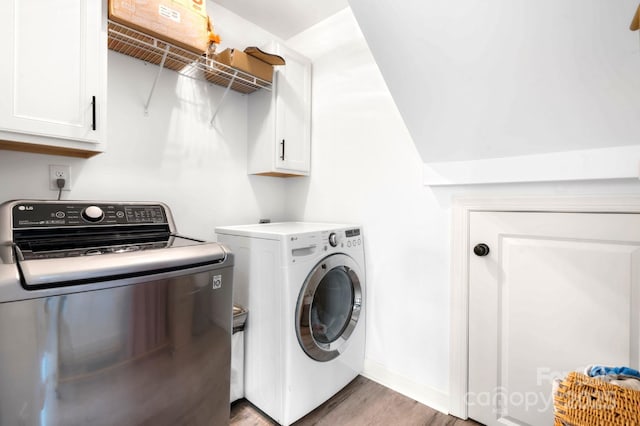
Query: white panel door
[557, 291]
[53, 68]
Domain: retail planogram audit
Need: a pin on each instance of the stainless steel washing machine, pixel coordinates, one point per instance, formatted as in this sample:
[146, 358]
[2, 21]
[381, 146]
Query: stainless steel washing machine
[109, 317]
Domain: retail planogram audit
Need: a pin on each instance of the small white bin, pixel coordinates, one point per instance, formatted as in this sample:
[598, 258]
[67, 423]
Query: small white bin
[237, 353]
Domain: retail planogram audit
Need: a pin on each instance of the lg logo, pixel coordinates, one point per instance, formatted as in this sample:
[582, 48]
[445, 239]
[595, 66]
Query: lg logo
[23, 208]
[216, 282]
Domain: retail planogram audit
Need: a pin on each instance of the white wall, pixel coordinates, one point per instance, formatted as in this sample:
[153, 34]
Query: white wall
[366, 169]
[488, 79]
[171, 155]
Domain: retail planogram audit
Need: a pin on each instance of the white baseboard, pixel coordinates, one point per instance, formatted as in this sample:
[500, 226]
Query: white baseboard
[434, 398]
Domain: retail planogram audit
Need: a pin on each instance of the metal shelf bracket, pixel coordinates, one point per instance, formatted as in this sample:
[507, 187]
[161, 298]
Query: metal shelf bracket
[153, 86]
[226, 90]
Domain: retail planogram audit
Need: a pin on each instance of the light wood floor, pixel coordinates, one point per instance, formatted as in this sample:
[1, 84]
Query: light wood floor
[361, 402]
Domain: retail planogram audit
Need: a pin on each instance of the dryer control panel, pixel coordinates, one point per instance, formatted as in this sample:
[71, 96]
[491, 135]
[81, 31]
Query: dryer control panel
[342, 238]
[303, 246]
[353, 237]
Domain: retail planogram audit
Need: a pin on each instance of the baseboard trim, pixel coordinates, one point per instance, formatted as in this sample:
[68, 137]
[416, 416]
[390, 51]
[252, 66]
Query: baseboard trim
[434, 398]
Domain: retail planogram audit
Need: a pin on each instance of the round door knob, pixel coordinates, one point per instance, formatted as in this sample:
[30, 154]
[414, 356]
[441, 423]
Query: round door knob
[93, 214]
[333, 239]
[481, 249]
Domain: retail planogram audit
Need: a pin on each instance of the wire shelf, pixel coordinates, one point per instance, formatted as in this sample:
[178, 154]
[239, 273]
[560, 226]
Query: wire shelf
[150, 49]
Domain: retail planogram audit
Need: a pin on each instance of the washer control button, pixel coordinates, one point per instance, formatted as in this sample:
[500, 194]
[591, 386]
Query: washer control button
[333, 239]
[60, 214]
[93, 214]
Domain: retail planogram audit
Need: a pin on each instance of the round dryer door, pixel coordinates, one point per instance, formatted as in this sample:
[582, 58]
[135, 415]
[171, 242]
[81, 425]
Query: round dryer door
[328, 307]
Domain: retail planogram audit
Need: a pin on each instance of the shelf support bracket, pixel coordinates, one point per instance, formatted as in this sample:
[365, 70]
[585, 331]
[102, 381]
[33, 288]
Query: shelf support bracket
[155, 80]
[226, 90]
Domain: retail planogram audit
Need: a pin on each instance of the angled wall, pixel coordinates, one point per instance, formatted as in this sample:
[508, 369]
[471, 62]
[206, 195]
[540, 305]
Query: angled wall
[488, 79]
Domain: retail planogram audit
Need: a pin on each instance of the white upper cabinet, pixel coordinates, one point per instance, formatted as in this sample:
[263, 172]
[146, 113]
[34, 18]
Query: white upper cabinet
[54, 78]
[280, 121]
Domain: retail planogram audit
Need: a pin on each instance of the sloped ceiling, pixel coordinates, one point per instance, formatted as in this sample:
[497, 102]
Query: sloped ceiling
[284, 18]
[497, 78]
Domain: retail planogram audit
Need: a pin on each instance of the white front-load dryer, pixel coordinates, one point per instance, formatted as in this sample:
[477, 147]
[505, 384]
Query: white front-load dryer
[303, 285]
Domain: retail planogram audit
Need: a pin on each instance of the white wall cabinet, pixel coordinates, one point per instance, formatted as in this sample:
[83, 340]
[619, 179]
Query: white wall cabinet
[53, 82]
[279, 130]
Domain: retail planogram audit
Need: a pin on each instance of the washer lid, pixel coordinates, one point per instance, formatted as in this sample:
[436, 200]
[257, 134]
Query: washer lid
[176, 254]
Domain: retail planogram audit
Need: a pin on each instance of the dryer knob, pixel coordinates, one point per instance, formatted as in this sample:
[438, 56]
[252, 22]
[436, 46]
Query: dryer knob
[333, 239]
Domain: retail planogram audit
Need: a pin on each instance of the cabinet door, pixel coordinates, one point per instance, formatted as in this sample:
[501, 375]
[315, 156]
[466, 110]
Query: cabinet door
[54, 66]
[293, 113]
[556, 292]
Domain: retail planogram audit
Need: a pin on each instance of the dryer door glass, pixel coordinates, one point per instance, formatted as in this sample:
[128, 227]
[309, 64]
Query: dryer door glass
[329, 307]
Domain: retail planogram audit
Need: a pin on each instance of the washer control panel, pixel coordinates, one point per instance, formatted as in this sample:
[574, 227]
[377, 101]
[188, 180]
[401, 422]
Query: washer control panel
[35, 214]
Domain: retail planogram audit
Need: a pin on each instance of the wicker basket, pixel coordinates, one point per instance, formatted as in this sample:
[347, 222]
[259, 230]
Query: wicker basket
[587, 401]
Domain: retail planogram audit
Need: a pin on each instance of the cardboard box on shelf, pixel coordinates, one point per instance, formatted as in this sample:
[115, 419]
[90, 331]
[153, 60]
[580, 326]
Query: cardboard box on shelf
[255, 62]
[179, 22]
[197, 6]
